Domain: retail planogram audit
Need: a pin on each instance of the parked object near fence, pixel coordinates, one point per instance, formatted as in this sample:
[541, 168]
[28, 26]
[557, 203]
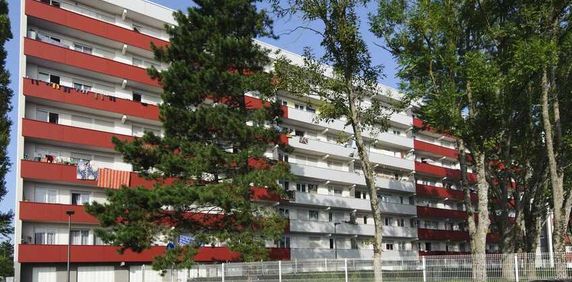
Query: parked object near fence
[500, 267]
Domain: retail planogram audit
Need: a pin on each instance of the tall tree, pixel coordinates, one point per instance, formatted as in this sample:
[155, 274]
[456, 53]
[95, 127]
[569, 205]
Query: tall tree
[213, 151]
[5, 123]
[6, 248]
[441, 49]
[345, 79]
[546, 43]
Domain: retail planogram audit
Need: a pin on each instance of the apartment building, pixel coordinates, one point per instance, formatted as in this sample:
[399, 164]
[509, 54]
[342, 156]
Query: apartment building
[83, 81]
[442, 226]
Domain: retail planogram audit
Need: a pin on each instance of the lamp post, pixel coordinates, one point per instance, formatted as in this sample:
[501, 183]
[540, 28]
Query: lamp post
[69, 213]
[335, 241]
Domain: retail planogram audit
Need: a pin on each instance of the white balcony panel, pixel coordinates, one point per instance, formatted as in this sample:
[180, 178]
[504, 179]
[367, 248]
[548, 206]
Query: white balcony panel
[331, 201]
[327, 174]
[395, 208]
[392, 184]
[321, 147]
[392, 161]
[349, 177]
[401, 118]
[339, 125]
[325, 227]
[396, 231]
[316, 253]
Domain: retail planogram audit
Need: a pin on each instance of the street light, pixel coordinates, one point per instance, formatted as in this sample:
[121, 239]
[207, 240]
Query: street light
[336, 243]
[69, 213]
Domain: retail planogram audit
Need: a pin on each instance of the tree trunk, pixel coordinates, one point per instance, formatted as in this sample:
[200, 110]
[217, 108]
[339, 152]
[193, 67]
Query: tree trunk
[370, 183]
[561, 210]
[477, 230]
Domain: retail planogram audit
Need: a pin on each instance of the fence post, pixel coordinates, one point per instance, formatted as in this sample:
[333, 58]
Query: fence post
[326, 264]
[222, 268]
[143, 273]
[516, 267]
[423, 266]
[346, 269]
[279, 271]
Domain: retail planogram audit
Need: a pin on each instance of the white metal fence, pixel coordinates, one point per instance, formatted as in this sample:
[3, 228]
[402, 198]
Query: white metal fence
[500, 267]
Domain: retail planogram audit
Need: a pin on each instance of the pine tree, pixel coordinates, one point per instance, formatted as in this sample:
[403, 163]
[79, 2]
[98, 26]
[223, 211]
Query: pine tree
[215, 145]
[5, 123]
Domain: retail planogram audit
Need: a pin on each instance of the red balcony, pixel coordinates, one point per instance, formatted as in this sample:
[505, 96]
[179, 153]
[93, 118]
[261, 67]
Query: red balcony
[96, 27]
[98, 254]
[54, 213]
[441, 193]
[61, 55]
[427, 212]
[42, 90]
[69, 134]
[439, 235]
[437, 171]
[435, 149]
[51, 172]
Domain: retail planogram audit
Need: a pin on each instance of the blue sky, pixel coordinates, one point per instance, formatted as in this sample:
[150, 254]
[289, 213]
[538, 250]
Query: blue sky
[294, 41]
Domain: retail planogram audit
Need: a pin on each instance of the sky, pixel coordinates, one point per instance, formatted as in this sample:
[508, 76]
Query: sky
[290, 38]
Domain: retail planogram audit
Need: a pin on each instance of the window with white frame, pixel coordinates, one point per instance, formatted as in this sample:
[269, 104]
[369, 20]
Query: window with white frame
[80, 85]
[45, 195]
[313, 215]
[79, 237]
[82, 48]
[45, 237]
[79, 197]
[47, 116]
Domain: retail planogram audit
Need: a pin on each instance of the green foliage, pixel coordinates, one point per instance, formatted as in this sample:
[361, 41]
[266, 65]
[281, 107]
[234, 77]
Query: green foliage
[212, 154]
[5, 123]
[6, 259]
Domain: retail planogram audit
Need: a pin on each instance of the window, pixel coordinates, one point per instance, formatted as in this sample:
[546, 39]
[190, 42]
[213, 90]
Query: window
[413, 222]
[140, 131]
[284, 212]
[283, 157]
[44, 115]
[79, 198]
[365, 219]
[300, 133]
[301, 187]
[283, 242]
[427, 246]
[298, 107]
[310, 109]
[313, 215]
[314, 242]
[79, 237]
[44, 195]
[54, 79]
[136, 97]
[330, 216]
[401, 246]
[400, 222]
[45, 238]
[285, 185]
[388, 221]
[353, 243]
[82, 48]
[312, 188]
[332, 243]
[389, 246]
[81, 86]
[396, 132]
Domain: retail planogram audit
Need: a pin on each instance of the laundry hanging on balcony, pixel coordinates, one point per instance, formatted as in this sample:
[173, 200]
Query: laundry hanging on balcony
[85, 171]
[113, 179]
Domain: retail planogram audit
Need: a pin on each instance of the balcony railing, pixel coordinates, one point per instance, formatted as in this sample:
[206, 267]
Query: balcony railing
[99, 254]
[344, 228]
[91, 100]
[434, 149]
[54, 213]
[77, 59]
[438, 235]
[349, 177]
[89, 24]
[429, 212]
[69, 134]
